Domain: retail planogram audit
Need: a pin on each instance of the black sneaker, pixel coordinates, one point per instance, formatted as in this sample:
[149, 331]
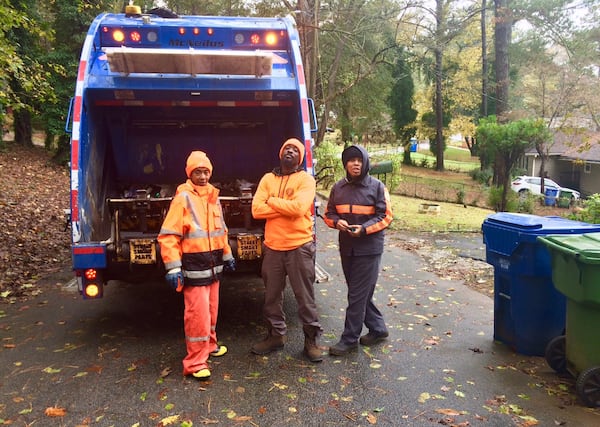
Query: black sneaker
[373, 338]
[341, 349]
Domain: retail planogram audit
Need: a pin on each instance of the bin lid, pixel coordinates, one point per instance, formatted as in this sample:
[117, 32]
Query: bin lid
[585, 247]
[504, 232]
[536, 224]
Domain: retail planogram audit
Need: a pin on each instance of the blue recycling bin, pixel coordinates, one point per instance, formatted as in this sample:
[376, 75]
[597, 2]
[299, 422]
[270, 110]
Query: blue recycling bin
[528, 310]
[413, 145]
[550, 196]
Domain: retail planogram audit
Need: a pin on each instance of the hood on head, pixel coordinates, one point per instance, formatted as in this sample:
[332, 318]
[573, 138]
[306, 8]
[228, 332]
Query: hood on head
[357, 151]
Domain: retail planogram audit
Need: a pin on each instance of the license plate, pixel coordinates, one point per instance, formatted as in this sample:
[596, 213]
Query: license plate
[142, 251]
[249, 246]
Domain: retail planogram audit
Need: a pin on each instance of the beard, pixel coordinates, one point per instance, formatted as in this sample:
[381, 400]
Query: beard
[289, 163]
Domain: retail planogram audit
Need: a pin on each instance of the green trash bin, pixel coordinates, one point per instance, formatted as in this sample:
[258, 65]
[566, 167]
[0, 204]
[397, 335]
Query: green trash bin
[564, 198]
[575, 261]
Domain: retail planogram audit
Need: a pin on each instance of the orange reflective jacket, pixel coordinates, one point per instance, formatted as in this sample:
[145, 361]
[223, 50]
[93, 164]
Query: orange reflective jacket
[194, 235]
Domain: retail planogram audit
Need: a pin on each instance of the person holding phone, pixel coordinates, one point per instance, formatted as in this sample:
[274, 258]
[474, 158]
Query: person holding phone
[359, 207]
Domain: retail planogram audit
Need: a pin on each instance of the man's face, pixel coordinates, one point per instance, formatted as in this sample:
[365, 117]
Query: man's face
[200, 176]
[290, 156]
[354, 167]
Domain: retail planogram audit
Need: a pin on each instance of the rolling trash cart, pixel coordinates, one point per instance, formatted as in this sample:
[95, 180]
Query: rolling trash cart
[576, 274]
[528, 310]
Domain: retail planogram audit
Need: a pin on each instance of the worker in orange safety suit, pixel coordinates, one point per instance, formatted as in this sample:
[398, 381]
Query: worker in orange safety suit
[195, 250]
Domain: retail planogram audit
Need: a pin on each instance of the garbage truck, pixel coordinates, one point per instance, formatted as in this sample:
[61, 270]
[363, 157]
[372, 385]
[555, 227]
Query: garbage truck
[151, 88]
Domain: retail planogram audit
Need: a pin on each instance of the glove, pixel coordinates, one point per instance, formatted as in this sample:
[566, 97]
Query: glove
[174, 279]
[229, 265]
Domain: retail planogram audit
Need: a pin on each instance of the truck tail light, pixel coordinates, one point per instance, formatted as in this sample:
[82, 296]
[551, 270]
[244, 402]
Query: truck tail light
[92, 284]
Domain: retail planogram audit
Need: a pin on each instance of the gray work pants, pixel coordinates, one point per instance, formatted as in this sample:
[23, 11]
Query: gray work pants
[299, 266]
[361, 273]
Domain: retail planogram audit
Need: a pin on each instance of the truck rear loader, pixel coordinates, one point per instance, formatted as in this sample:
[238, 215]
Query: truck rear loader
[151, 88]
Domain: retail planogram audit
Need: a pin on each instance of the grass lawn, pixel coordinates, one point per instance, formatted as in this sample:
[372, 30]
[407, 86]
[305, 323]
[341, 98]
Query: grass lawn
[450, 217]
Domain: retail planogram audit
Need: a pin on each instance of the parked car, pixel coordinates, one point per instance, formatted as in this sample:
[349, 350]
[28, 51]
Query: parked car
[532, 185]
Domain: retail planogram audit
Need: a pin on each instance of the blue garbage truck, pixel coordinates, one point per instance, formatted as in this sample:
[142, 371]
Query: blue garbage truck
[151, 88]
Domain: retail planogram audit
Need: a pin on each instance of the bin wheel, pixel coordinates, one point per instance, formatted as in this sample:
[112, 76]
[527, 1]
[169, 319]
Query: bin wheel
[556, 354]
[588, 386]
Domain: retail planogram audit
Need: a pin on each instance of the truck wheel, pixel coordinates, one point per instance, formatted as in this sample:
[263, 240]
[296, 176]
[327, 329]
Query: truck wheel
[588, 386]
[556, 354]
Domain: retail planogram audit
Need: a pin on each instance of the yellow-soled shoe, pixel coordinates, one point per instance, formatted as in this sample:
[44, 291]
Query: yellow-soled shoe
[219, 351]
[202, 374]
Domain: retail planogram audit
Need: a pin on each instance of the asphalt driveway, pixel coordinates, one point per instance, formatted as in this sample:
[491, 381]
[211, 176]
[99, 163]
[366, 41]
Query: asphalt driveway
[117, 361]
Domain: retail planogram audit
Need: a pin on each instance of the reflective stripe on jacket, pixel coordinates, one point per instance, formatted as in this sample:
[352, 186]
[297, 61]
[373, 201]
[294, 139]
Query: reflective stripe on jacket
[193, 235]
[364, 201]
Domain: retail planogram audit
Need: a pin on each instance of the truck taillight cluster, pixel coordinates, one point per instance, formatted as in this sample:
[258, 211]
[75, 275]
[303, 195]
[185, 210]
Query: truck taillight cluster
[92, 283]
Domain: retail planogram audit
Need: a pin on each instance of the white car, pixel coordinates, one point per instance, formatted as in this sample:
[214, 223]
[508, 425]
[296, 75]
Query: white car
[532, 184]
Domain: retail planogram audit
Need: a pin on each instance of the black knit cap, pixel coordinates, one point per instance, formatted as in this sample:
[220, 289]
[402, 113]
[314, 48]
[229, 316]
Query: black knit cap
[350, 153]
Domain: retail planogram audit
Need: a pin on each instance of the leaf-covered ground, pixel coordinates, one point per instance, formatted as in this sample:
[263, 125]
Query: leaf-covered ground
[34, 192]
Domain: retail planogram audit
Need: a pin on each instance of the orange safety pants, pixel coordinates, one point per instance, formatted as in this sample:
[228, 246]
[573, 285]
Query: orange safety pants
[199, 323]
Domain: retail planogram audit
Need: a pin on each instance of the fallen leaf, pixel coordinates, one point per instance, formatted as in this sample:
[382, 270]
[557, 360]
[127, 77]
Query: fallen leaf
[169, 420]
[447, 411]
[423, 397]
[55, 411]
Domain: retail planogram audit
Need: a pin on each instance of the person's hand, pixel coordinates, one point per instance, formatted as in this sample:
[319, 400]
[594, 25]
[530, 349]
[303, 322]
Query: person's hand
[229, 265]
[174, 279]
[342, 225]
[355, 230]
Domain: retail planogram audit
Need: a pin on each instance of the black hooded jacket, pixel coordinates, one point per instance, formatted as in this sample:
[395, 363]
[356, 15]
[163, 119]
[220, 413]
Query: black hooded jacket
[363, 201]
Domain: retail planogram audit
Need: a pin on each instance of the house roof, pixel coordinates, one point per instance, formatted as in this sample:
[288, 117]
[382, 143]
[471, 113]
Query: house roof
[581, 145]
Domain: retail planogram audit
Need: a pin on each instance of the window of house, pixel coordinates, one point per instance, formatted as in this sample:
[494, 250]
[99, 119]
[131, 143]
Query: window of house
[587, 168]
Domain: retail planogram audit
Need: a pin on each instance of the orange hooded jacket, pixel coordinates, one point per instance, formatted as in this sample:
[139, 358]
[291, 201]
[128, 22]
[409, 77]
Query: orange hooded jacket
[285, 202]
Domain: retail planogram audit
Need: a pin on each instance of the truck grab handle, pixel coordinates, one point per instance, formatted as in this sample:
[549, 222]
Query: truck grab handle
[68, 127]
[311, 107]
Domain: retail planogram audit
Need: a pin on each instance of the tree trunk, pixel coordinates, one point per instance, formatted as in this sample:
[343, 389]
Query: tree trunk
[439, 105]
[502, 42]
[484, 62]
[22, 127]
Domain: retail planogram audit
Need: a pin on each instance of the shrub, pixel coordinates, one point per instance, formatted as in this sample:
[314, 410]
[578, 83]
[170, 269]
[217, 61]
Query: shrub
[460, 196]
[590, 212]
[495, 199]
[482, 176]
[329, 167]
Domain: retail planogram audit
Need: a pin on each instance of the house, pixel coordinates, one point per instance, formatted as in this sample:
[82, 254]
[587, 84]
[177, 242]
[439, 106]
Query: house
[573, 161]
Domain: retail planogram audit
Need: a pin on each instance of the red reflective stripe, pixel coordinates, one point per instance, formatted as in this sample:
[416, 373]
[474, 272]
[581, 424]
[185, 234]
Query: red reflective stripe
[74, 206]
[300, 69]
[88, 250]
[81, 71]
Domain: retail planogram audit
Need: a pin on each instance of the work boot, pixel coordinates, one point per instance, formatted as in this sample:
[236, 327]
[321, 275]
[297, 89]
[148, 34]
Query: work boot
[271, 343]
[342, 349]
[373, 338]
[311, 349]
